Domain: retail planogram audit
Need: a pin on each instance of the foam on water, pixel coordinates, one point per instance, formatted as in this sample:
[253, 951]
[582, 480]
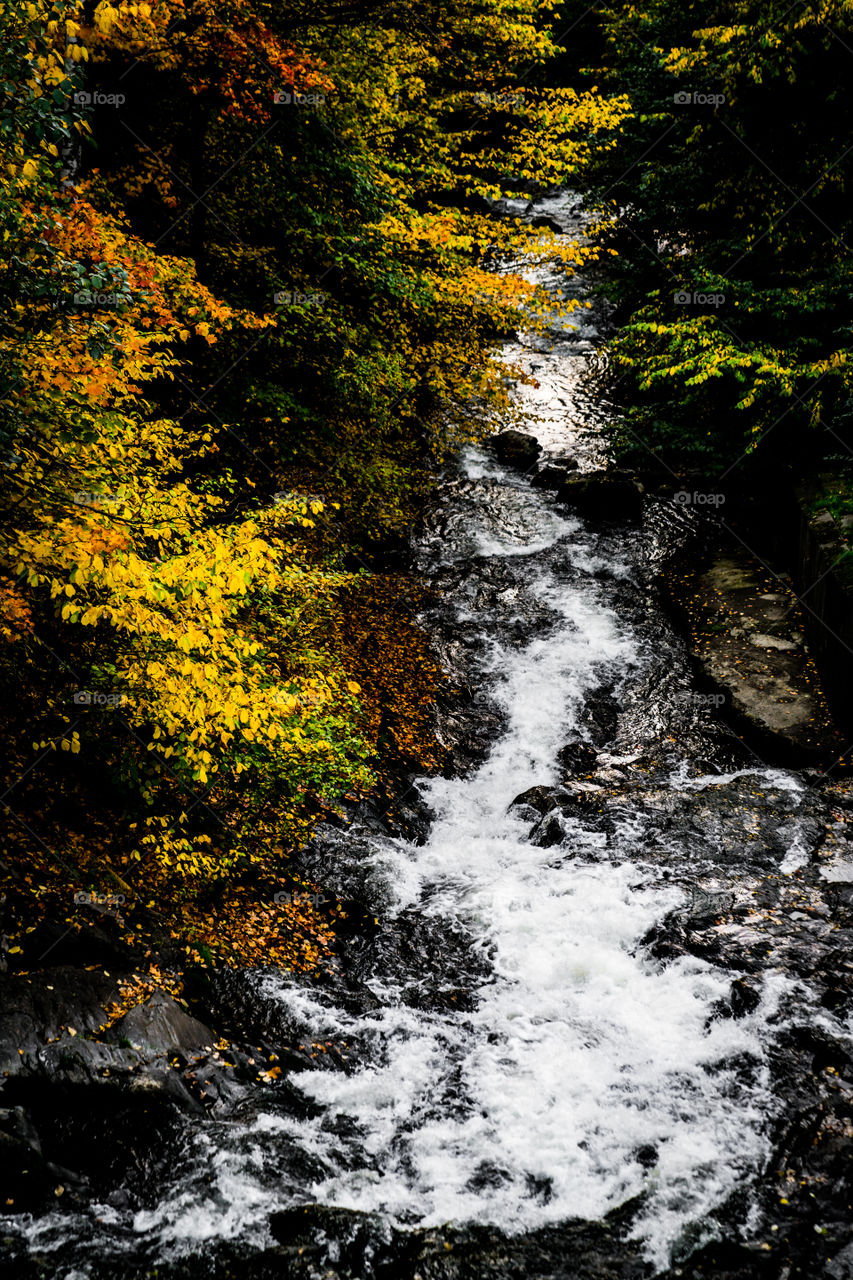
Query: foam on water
[683, 781]
[581, 1052]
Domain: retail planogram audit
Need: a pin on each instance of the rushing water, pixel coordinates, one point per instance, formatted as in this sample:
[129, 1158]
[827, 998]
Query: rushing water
[581, 1070]
[525, 1056]
[580, 1052]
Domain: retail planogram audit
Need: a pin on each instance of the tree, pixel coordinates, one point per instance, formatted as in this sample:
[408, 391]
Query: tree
[732, 176]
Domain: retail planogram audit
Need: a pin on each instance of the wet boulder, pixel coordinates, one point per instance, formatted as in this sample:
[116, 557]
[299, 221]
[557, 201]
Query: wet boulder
[314, 1227]
[603, 495]
[577, 814]
[599, 717]
[577, 758]
[841, 1266]
[551, 831]
[547, 224]
[555, 473]
[161, 1025]
[344, 1244]
[91, 1139]
[752, 657]
[744, 998]
[515, 448]
[28, 1182]
[35, 1009]
[540, 799]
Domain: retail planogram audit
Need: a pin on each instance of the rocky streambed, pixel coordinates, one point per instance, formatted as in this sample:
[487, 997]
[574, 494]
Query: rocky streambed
[591, 1014]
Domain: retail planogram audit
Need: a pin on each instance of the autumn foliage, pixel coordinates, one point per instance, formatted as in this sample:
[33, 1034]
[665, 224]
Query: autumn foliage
[249, 301]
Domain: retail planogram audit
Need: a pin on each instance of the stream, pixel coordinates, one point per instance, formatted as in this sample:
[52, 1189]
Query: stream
[591, 1008]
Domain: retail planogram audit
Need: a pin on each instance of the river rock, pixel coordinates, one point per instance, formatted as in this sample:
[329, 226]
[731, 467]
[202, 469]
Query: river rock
[577, 758]
[515, 448]
[242, 1005]
[28, 1182]
[342, 1243]
[553, 475]
[552, 830]
[161, 1025]
[541, 799]
[36, 1009]
[547, 223]
[603, 495]
[600, 717]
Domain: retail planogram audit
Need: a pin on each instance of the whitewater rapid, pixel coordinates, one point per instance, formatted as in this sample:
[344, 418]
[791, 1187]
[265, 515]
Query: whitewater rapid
[582, 1072]
[582, 1052]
